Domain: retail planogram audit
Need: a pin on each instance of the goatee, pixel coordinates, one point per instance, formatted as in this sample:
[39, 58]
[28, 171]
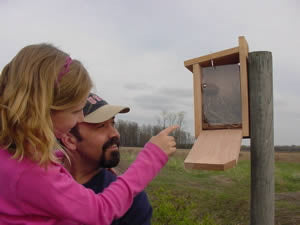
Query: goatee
[114, 157]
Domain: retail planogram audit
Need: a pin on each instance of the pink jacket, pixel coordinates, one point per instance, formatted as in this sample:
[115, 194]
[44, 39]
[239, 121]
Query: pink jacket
[31, 195]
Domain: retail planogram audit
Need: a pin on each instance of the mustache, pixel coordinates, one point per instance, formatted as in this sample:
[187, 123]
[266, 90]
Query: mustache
[114, 157]
[110, 142]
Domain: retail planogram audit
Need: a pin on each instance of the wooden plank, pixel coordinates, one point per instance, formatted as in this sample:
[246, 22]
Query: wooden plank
[262, 138]
[243, 54]
[228, 56]
[197, 99]
[215, 150]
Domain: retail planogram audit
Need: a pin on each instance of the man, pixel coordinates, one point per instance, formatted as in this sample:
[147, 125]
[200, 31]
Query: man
[93, 146]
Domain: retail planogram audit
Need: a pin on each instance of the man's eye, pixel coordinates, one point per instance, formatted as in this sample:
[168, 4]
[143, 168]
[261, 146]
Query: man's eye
[100, 126]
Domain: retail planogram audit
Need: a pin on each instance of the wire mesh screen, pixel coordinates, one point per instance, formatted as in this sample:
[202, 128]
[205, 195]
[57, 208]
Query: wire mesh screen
[221, 97]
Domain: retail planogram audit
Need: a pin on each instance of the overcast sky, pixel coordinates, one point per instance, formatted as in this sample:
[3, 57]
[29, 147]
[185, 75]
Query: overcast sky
[134, 49]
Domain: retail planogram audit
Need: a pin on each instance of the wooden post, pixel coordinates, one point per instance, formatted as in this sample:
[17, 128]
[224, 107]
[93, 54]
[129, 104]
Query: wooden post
[262, 138]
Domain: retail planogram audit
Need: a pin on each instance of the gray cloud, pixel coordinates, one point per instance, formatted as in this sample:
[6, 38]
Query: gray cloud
[163, 102]
[177, 92]
[154, 102]
[135, 51]
[137, 86]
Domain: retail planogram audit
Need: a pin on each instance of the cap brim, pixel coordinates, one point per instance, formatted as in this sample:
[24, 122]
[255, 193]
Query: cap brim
[104, 113]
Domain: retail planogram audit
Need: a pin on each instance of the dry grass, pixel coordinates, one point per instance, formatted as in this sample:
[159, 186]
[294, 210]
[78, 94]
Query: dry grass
[218, 197]
[293, 157]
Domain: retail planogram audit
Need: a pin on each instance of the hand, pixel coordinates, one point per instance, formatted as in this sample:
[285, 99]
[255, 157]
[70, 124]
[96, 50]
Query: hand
[164, 141]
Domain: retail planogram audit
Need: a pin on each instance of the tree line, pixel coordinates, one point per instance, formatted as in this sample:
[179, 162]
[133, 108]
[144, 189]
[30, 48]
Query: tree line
[136, 135]
[278, 148]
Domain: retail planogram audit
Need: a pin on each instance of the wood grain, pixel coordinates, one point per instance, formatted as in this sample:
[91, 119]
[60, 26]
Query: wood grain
[215, 150]
[228, 56]
[197, 99]
[262, 138]
[243, 54]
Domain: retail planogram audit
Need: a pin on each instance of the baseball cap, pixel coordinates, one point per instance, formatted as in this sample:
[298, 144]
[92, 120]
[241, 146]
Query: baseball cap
[97, 110]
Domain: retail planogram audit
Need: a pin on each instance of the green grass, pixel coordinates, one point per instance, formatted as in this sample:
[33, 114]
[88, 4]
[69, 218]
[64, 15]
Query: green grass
[287, 177]
[198, 197]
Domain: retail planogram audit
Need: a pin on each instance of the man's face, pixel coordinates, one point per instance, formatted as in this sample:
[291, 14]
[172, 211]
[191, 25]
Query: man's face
[100, 143]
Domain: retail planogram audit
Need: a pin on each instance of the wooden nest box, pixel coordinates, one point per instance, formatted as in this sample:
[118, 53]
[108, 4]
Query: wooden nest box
[221, 107]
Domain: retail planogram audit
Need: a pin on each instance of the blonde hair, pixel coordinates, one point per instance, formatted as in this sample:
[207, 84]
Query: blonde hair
[29, 91]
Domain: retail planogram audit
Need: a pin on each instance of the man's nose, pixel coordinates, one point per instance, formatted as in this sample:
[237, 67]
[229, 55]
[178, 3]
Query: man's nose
[114, 132]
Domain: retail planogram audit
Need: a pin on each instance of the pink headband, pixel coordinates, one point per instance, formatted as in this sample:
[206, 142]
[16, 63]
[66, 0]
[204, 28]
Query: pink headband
[65, 69]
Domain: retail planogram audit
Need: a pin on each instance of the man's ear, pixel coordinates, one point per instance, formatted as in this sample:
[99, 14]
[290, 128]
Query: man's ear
[69, 141]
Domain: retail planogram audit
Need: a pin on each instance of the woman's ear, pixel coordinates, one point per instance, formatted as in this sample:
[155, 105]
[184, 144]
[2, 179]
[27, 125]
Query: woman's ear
[69, 141]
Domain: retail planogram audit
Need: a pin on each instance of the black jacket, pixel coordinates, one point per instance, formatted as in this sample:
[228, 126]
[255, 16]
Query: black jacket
[140, 212]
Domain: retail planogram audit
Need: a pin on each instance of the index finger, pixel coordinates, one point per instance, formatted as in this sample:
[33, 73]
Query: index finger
[168, 130]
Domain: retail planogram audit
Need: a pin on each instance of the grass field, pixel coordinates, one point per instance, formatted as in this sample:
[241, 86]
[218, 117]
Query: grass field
[197, 197]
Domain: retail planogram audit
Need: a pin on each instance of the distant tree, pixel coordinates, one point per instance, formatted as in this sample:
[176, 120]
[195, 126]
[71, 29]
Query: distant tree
[179, 133]
[133, 134]
[162, 119]
[121, 126]
[145, 133]
[156, 129]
